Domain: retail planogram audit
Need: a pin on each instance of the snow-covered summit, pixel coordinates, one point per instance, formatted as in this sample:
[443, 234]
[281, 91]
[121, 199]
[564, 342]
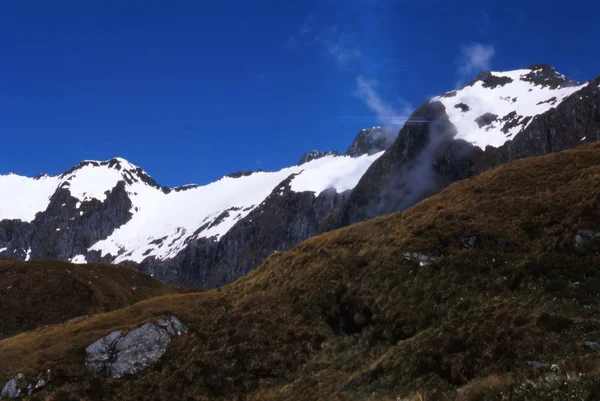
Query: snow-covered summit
[163, 220]
[497, 105]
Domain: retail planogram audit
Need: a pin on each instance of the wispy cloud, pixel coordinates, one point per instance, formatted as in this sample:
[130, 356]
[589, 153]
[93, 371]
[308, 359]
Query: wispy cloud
[304, 34]
[388, 114]
[340, 47]
[475, 58]
[344, 50]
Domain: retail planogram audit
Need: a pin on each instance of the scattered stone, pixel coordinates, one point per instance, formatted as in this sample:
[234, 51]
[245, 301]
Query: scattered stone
[173, 326]
[536, 364]
[468, 242]
[424, 258]
[593, 345]
[359, 319]
[41, 383]
[10, 390]
[586, 241]
[118, 355]
[544, 307]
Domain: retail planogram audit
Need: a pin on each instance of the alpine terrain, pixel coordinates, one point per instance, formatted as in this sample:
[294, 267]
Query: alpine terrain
[487, 291]
[205, 236]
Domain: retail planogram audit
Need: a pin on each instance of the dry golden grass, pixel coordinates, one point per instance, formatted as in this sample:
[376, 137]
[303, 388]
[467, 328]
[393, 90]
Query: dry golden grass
[343, 316]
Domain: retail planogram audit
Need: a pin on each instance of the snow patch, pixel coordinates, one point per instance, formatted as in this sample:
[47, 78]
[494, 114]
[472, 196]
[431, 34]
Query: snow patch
[522, 97]
[28, 256]
[341, 173]
[28, 196]
[3, 249]
[78, 259]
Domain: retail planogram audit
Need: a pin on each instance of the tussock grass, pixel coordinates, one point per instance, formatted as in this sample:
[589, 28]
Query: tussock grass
[33, 294]
[344, 316]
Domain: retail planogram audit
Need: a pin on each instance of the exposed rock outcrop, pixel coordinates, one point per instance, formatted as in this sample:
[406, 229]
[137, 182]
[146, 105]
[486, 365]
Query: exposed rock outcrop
[118, 355]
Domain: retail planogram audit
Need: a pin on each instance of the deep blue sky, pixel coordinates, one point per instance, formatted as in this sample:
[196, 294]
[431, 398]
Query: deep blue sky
[192, 90]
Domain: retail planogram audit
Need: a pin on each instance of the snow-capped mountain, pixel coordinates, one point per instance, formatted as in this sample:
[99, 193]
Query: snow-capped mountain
[113, 211]
[496, 118]
[150, 221]
[498, 105]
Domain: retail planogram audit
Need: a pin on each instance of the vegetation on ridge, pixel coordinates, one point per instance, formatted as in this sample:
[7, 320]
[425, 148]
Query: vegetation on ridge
[34, 294]
[498, 297]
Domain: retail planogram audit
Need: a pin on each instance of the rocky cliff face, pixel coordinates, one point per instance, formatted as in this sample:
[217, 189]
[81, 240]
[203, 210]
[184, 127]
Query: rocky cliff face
[370, 141]
[282, 221]
[214, 234]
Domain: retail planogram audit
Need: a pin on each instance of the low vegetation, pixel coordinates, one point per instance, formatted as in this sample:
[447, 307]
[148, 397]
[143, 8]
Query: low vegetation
[35, 294]
[498, 308]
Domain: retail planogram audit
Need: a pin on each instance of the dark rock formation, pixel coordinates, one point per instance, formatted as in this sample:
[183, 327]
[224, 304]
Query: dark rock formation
[423, 159]
[370, 141]
[281, 221]
[315, 154]
[486, 119]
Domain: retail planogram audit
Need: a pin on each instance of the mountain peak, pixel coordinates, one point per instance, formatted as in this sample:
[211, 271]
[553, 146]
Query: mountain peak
[92, 178]
[493, 108]
[315, 154]
[370, 141]
[542, 75]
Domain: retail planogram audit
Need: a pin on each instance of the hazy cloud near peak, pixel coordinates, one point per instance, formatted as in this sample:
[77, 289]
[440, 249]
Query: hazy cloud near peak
[474, 58]
[388, 114]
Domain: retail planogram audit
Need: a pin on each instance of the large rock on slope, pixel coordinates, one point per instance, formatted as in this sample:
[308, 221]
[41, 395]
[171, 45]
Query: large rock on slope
[117, 355]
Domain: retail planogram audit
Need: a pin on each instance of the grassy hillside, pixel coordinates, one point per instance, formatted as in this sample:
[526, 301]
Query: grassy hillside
[345, 316]
[34, 294]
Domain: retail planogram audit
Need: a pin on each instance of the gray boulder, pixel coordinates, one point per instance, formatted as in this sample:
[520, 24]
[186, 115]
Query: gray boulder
[139, 349]
[593, 345]
[118, 355]
[101, 354]
[10, 390]
[586, 241]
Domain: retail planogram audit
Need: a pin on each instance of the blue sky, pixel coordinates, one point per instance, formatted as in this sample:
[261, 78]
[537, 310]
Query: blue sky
[192, 90]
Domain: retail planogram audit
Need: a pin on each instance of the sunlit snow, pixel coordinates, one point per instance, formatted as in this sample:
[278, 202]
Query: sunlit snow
[164, 222]
[523, 97]
[79, 259]
[23, 197]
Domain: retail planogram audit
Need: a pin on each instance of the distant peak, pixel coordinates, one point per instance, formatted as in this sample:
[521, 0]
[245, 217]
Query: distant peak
[543, 75]
[370, 141]
[315, 154]
[129, 172]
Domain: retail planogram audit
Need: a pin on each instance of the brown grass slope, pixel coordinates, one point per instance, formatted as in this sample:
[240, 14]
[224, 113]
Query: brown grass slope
[34, 294]
[344, 316]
